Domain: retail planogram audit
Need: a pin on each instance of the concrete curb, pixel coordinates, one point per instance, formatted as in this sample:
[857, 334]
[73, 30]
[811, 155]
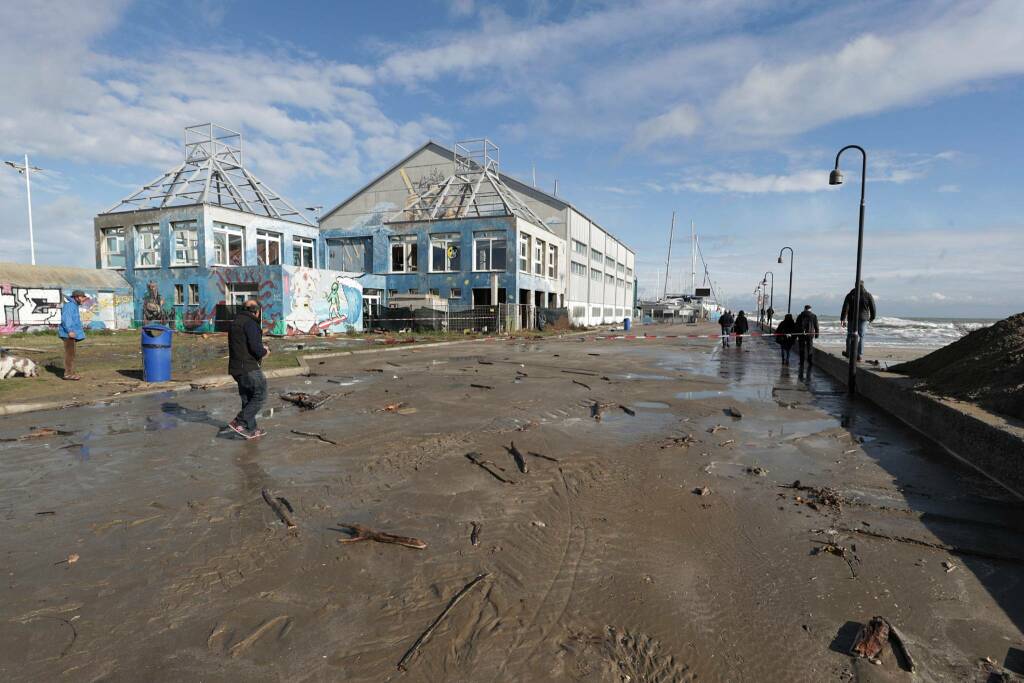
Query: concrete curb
[985, 442]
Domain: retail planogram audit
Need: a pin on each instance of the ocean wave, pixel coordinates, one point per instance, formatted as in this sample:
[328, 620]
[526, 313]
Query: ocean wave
[894, 331]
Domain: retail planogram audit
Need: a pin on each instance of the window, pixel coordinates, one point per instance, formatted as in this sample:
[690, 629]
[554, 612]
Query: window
[455, 293]
[434, 291]
[579, 248]
[351, 255]
[392, 292]
[579, 311]
[228, 245]
[489, 249]
[538, 257]
[268, 248]
[179, 295]
[147, 246]
[186, 243]
[524, 253]
[609, 263]
[113, 248]
[609, 279]
[414, 290]
[193, 295]
[629, 273]
[596, 256]
[578, 268]
[595, 275]
[445, 255]
[594, 310]
[404, 258]
[552, 260]
[304, 252]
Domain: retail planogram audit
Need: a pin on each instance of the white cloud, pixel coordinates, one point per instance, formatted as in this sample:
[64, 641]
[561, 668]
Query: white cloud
[681, 121]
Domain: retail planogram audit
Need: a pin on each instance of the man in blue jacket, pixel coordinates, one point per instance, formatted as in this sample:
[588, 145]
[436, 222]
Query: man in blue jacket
[245, 353]
[71, 331]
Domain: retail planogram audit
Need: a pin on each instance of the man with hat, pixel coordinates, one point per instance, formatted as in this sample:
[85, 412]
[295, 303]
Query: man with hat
[71, 331]
[807, 325]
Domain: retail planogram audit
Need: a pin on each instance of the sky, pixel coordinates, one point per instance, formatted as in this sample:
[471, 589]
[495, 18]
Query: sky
[729, 113]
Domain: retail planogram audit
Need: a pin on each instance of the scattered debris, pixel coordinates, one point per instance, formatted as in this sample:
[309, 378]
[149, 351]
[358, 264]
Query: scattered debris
[702, 491]
[481, 386]
[727, 442]
[40, 433]
[585, 386]
[391, 408]
[407, 657]
[474, 535]
[518, 457]
[202, 386]
[281, 507]
[954, 549]
[71, 559]
[839, 551]
[538, 523]
[596, 410]
[948, 566]
[824, 496]
[47, 512]
[478, 460]
[679, 442]
[262, 629]
[374, 370]
[345, 380]
[757, 471]
[716, 429]
[315, 435]
[581, 372]
[733, 411]
[627, 410]
[362, 533]
[485, 362]
[899, 643]
[307, 401]
[394, 365]
[532, 424]
[870, 639]
[542, 456]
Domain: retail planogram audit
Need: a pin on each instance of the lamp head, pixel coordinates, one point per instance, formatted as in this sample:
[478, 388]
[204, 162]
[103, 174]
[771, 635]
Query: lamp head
[780, 259]
[835, 177]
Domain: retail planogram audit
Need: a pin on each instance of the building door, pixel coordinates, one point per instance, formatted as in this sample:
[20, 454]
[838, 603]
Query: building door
[105, 310]
[240, 292]
[481, 296]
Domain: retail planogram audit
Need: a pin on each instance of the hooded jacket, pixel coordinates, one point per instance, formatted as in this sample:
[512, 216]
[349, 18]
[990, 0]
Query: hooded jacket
[807, 322]
[245, 344]
[785, 331]
[70, 321]
[867, 306]
[726, 320]
[741, 325]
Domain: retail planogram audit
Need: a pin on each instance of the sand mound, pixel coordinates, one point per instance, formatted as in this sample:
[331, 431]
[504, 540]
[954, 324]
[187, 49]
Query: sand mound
[985, 367]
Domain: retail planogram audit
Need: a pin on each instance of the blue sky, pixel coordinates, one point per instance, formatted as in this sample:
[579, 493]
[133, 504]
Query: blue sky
[729, 113]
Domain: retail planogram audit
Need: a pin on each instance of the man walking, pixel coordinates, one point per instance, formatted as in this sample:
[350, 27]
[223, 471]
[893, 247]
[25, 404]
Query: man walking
[740, 327]
[807, 327]
[784, 336]
[71, 331]
[858, 319]
[771, 314]
[725, 321]
[246, 351]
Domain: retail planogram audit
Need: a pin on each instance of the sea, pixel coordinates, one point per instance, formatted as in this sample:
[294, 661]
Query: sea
[929, 333]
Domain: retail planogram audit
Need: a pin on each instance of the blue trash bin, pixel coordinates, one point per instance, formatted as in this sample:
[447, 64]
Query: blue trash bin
[156, 353]
[627, 324]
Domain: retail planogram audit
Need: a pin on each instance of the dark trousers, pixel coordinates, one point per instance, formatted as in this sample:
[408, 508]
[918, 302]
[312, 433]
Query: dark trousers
[252, 387]
[806, 349]
[787, 346]
[739, 340]
[725, 336]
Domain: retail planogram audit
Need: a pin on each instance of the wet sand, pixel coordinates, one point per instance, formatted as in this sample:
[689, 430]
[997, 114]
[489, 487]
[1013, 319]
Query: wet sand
[602, 563]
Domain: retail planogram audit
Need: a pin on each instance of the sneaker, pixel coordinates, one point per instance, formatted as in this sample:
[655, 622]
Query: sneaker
[237, 427]
[255, 434]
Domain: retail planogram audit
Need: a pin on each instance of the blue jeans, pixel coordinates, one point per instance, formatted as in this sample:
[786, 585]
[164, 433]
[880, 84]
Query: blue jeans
[252, 388]
[862, 327]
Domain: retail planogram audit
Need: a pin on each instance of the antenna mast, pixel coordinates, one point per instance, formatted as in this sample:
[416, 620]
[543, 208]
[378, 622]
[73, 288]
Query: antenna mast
[668, 259]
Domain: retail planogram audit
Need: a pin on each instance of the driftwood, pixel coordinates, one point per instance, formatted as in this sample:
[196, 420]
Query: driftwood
[315, 435]
[474, 535]
[478, 460]
[839, 551]
[899, 645]
[954, 549]
[585, 386]
[411, 652]
[481, 386]
[542, 456]
[306, 401]
[580, 372]
[871, 638]
[627, 410]
[362, 533]
[518, 457]
[280, 506]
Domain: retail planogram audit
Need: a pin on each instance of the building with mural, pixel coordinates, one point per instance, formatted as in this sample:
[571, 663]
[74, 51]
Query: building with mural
[449, 223]
[31, 297]
[207, 235]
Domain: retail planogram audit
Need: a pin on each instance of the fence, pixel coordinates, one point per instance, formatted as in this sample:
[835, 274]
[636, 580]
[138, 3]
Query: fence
[496, 318]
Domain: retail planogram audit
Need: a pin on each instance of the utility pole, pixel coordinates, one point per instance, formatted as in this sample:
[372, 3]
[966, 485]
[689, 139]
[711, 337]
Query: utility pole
[693, 260]
[668, 259]
[26, 170]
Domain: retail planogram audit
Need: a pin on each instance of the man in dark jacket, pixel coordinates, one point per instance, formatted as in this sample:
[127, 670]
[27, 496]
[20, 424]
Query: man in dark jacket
[246, 351]
[784, 336]
[740, 327]
[725, 321]
[858, 319]
[807, 326]
[770, 313]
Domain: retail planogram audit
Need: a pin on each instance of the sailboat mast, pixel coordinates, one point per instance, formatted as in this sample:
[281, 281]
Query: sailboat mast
[693, 259]
[668, 259]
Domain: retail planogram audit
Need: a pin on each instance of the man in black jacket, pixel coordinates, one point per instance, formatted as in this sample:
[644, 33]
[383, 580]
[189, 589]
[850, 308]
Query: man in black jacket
[807, 326]
[858, 319]
[246, 350]
[740, 327]
[725, 321]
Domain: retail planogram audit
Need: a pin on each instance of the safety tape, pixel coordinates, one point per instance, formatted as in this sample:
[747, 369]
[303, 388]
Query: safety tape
[631, 337]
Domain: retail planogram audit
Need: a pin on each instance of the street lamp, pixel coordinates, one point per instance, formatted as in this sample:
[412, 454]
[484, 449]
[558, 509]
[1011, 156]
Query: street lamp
[853, 336]
[771, 298]
[26, 171]
[789, 296]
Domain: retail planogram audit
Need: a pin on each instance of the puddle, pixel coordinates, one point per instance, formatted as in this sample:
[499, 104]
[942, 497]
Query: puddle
[698, 395]
[654, 405]
[634, 375]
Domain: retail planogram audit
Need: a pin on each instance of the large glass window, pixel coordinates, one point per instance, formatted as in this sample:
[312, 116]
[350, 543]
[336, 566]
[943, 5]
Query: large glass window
[524, 253]
[596, 256]
[552, 260]
[147, 246]
[596, 275]
[489, 250]
[609, 263]
[268, 248]
[579, 248]
[186, 243]
[304, 252]
[445, 253]
[350, 255]
[228, 245]
[404, 258]
[113, 248]
[538, 257]
[578, 269]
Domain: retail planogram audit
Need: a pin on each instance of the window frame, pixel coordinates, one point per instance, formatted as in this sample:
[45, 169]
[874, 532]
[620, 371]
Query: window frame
[490, 237]
[141, 232]
[266, 238]
[552, 261]
[194, 294]
[186, 227]
[525, 258]
[580, 248]
[455, 293]
[228, 231]
[179, 294]
[596, 255]
[540, 253]
[300, 244]
[446, 240]
[410, 248]
[117, 233]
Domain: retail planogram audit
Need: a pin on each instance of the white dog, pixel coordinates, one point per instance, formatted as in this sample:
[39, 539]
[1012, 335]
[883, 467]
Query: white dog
[12, 365]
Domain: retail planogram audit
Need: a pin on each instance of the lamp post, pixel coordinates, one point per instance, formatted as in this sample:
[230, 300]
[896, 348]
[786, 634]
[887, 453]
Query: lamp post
[26, 171]
[789, 296]
[771, 296]
[853, 336]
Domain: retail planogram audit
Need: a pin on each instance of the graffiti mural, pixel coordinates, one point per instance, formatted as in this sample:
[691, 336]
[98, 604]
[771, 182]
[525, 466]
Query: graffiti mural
[153, 310]
[27, 309]
[322, 301]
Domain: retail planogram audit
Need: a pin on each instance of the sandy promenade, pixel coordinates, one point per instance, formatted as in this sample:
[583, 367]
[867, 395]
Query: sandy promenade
[601, 562]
